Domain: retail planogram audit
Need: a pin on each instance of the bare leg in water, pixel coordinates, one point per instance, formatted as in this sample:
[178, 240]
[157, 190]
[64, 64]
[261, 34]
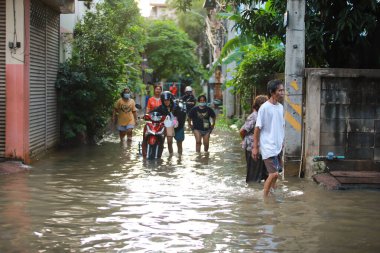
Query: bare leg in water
[170, 144]
[179, 147]
[206, 140]
[270, 182]
[129, 134]
[198, 140]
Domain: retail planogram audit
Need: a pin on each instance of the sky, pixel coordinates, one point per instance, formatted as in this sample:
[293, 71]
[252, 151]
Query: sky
[145, 6]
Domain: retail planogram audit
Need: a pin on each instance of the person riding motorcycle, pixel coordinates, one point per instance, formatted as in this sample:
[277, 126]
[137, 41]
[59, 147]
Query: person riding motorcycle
[165, 109]
[189, 98]
[176, 116]
[167, 102]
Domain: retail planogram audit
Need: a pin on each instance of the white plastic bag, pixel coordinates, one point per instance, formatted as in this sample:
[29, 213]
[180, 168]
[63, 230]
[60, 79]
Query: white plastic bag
[168, 122]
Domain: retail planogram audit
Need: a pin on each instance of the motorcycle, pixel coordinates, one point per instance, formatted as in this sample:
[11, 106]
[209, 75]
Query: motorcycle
[181, 104]
[153, 136]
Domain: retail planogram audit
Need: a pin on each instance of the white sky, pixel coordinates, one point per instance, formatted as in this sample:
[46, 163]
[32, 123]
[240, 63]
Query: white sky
[145, 6]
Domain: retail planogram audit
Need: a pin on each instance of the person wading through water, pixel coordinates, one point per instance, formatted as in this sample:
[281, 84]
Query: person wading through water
[125, 110]
[256, 170]
[268, 138]
[201, 120]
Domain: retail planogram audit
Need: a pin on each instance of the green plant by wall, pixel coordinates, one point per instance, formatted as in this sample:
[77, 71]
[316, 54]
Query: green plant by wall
[106, 57]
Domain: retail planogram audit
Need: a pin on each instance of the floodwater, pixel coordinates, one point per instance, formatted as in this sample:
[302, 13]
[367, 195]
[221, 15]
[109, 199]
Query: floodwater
[106, 198]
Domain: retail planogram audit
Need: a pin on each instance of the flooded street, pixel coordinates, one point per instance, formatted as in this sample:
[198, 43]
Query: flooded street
[106, 198]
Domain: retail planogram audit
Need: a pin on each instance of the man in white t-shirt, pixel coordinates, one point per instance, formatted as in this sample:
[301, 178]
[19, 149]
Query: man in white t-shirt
[268, 138]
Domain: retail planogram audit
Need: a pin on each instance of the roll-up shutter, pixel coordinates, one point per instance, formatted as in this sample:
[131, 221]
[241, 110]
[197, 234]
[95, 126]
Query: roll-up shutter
[44, 58]
[2, 77]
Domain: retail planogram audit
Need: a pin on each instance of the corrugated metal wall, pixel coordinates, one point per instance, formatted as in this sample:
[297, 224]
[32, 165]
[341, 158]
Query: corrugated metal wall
[2, 77]
[44, 60]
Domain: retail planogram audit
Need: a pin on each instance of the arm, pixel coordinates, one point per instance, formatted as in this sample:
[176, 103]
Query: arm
[190, 101]
[190, 118]
[213, 116]
[114, 113]
[256, 140]
[189, 121]
[135, 116]
[213, 122]
[147, 108]
[249, 124]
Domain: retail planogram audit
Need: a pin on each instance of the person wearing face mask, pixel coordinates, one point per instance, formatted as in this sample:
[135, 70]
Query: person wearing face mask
[202, 121]
[126, 113]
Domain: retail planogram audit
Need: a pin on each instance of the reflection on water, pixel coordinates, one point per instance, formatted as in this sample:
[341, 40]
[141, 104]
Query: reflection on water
[106, 198]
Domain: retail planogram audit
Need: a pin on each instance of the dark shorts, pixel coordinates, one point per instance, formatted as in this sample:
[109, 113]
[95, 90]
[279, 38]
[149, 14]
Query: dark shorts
[179, 134]
[203, 132]
[274, 164]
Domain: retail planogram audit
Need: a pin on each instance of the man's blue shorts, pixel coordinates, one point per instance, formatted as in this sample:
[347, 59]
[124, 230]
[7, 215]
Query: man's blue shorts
[179, 134]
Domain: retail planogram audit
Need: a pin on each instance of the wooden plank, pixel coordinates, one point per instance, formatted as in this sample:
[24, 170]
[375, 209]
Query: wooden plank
[358, 180]
[357, 177]
[359, 174]
[353, 165]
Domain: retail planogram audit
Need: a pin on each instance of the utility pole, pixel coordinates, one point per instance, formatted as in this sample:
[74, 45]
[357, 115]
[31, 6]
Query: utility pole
[294, 20]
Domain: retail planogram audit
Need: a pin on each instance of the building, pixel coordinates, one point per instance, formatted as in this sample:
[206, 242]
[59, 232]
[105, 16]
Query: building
[161, 11]
[29, 59]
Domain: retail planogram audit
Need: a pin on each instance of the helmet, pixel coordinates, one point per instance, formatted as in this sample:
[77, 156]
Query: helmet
[188, 88]
[166, 95]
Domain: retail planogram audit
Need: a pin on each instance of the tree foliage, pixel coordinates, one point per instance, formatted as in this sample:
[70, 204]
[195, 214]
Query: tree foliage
[341, 33]
[259, 65]
[192, 21]
[170, 51]
[107, 46]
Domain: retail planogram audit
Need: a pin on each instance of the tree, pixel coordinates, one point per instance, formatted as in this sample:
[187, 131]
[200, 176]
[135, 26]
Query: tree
[342, 33]
[107, 45]
[259, 65]
[170, 51]
[192, 21]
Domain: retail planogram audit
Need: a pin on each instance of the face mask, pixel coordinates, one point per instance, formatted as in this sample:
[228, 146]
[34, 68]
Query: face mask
[126, 95]
[203, 104]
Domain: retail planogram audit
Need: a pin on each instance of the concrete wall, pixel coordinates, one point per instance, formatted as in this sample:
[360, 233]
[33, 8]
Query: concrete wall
[17, 80]
[343, 116]
[17, 75]
[229, 70]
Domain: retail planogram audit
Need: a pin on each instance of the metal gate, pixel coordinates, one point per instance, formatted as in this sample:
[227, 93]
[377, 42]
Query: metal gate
[2, 78]
[44, 60]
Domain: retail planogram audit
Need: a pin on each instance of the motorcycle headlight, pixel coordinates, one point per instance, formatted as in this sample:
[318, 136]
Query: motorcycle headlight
[156, 117]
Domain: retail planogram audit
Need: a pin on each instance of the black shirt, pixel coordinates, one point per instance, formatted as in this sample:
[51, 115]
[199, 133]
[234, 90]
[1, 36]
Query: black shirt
[201, 117]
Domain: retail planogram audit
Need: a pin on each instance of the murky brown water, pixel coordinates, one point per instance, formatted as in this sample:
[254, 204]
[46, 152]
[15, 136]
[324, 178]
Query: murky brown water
[107, 199]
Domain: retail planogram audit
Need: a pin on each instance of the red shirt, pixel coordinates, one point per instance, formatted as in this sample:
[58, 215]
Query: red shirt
[153, 103]
[173, 90]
